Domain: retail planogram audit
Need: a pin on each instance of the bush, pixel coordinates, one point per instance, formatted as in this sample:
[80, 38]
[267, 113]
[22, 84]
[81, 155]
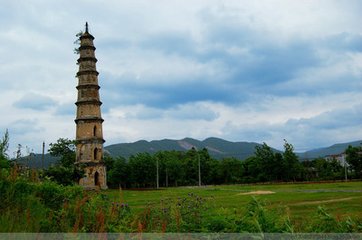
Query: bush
[220, 224]
[51, 195]
[4, 190]
[60, 174]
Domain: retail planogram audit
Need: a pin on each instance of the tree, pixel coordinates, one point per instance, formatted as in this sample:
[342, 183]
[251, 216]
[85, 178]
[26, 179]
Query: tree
[292, 165]
[266, 160]
[327, 169]
[170, 167]
[142, 169]
[354, 159]
[280, 169]
[4, 145]
[191, 167]
[230, 170]
[206, 166]
[108, 162]
[117, 173]
[65, 149]
[65, 172]
[250, 170]
[62, 175]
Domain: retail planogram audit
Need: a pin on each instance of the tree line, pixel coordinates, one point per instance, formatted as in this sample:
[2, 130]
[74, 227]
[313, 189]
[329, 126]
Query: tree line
[177, 168]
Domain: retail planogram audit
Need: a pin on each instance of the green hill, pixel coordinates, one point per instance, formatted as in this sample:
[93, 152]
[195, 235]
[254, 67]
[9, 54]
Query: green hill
[218, 148]
[34, 160]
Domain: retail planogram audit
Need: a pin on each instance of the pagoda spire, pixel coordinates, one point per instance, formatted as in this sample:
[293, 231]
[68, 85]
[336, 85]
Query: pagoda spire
[86, 27]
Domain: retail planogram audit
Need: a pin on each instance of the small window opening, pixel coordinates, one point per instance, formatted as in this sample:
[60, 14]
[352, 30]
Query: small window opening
[94, 131]
[96, 179]
[95, 153]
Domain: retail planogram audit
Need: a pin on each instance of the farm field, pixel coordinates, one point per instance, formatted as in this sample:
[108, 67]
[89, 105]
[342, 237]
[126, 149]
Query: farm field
[299, 201]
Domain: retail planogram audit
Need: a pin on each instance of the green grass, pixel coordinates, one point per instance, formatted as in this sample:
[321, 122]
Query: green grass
[49, 207]
[301, 201]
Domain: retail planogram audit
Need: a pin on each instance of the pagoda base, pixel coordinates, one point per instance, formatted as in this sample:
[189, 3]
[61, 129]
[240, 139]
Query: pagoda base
[94, 178]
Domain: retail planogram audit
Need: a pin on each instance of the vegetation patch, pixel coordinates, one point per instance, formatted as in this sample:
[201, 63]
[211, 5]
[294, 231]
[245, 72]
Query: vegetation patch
[41, 201]
[322, 201]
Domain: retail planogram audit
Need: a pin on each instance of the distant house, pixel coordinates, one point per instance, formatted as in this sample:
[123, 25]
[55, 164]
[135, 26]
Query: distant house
[341, 158]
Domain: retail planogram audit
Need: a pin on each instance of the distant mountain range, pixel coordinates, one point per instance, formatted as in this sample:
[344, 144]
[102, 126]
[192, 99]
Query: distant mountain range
[332, 150]
[218, 149]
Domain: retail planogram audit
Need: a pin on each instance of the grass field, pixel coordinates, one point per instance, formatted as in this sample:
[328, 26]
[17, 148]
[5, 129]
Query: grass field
[300, 201]
[271, 208]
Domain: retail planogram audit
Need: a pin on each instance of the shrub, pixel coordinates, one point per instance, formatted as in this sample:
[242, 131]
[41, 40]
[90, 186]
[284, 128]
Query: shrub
[51, 195]
[220, 223]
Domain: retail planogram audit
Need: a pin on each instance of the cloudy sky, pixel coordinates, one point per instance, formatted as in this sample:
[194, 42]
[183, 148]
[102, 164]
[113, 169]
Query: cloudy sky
[260, 71]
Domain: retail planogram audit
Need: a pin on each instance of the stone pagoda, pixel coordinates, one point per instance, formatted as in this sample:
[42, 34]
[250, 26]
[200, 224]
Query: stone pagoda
[89, 134]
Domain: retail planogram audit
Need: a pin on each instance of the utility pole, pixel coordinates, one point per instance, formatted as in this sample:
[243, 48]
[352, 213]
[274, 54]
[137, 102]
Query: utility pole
[198, 156]
[166, 178]
[42, 156]
[158, 184]
[345, 169]
[28, 157]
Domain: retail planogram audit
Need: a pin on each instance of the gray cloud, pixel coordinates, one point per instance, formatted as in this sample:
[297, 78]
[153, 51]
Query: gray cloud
[66, 109]
[24, 126]
[171, 57]
[344, 41]
[336, 119]
[35, 101]
[322, 130]
[198, 111]
[240, 77]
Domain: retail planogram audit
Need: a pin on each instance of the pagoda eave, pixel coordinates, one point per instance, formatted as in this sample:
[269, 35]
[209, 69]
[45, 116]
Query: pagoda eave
[85, 72]
[90, 141]
[89, 119]
[83, 59]
[87, 86]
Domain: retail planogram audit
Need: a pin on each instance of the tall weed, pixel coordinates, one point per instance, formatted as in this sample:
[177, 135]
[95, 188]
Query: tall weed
[184, 214]
[324, 222]
[257, 219]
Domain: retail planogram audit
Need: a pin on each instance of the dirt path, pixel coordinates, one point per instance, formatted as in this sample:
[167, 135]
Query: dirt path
[323, 201]
[256, 193]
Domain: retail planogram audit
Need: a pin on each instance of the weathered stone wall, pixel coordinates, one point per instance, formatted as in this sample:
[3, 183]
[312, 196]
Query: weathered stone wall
[88, 79]
[88, 110]
[86, 53]
[89, 130]
[89, 152]
[88, 94]
[87, 65]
